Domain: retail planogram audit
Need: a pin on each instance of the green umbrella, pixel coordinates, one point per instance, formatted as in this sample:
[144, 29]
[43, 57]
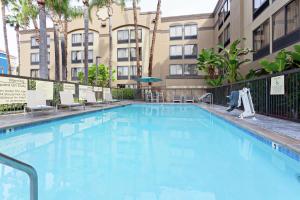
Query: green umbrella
[148, 79]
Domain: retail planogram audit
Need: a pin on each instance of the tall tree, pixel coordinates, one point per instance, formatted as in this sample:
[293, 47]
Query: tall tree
[154, 39]
[86, 37]
[3, 5]
[44, 73]
[137, 53]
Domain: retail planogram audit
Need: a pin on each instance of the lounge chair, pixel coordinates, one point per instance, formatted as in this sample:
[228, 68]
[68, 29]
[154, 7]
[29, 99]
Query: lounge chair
[91, 99]
[189, 99]
[36, 101]
[177, 99]
[67, 100]
[107, 97]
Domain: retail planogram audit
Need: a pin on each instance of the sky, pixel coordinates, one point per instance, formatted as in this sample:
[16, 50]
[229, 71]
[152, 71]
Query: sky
[169, 8]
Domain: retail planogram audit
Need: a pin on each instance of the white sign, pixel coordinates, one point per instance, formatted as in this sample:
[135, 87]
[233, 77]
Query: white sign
[13, 90]
[82, 91]
[277, 85]
[69, 87]
[97, 89]
[46, 88]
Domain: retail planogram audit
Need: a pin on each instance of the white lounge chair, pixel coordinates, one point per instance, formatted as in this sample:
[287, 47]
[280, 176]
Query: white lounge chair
[107, 97]
[177, 99]
[91, 99]
[36, 101]
[189, 99]
[67, 100]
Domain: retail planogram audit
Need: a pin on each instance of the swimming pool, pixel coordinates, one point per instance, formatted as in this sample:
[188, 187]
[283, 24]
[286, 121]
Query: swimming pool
[147, 152]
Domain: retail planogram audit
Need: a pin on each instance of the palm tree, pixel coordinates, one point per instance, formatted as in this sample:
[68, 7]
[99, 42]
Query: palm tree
[44, 73]
[137, 53]
[154, 39]
[3, 5]
[86, 37]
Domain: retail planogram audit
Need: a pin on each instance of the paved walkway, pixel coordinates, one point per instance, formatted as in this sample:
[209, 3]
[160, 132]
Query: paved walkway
[284, 132]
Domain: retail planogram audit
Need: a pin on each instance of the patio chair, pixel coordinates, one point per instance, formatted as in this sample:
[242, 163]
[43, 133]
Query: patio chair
[177, 99]
[107, 97]
[155, 97]
[91, 99]
[36, 101]
[189, 99]
[67, 100]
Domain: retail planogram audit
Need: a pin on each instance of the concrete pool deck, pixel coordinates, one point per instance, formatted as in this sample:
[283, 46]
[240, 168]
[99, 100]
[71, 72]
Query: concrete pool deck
[283, 132]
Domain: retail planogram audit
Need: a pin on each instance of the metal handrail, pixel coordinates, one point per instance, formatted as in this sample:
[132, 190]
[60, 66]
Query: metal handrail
[28, 169]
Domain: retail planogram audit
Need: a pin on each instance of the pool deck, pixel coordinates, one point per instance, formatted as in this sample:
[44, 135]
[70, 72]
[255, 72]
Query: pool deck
[283, 132]
[22, 119]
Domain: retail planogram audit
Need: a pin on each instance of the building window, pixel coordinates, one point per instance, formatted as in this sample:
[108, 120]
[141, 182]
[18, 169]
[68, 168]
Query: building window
[76, 56]
[132, 35]
[176, 52]
[75, 72]
[190, 51]
[259, 6]
[221, 41]
[176, 70]
[223, 13]
[122, 72]
[34, 73]
[190, 31]
[286, 26]
[227, 35]
[133, 54]
[133, 72]
[90, 56]
[123, 36]
[35, 44]
[91, 38]
[190, 70]
[76, 39]
[176, 32]
[221, 18]
[35, 58]
[261, 40]
[122, 54]
[226, 9]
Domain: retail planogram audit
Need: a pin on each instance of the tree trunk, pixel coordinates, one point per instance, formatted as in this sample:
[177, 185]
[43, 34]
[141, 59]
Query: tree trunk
[110, 52]
[137, 53]
[86, 40]
[154, 39]
[44, 73]
[5, 36]
[17, 29]
[56, 52]
[64, 48]
[35, 24]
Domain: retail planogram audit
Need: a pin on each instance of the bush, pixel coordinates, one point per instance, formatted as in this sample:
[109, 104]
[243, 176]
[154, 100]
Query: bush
[123, 93]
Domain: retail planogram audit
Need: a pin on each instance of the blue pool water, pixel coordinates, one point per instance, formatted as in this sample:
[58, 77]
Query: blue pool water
[147, 152]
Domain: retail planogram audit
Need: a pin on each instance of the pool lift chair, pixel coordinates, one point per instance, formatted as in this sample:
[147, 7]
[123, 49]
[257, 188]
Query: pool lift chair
[242, 96]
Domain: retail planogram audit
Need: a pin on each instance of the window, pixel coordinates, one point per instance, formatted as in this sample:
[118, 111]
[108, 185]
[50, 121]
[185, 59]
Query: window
[227, 35]
[286, 26]
[176, 70]
[90, 56]
[227, 8]
[122, 54]
[35, 58]
[133, 72]
[35, 44]
[221, 41]
[123, 36]
[76, 39]
[75, 71]
[122, 72]
[34, 73]
[190, 70]
[176, 52]
[91, 38]
[190, 31]
[259, 6]
[76, 56]
[132, 35]
[190, 51]
[176, 32]
[261, 40]
[223, 13]
[133, 53]
[221, 18]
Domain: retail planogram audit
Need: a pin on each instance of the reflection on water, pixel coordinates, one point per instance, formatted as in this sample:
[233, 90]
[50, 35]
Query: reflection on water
[147, 152]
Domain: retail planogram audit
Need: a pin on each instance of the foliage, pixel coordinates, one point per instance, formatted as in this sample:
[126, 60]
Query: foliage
[215, 82]
[255, 73]
[123, 93]
[233, 58]
[210, 62]
[103, 75]
[295, 55]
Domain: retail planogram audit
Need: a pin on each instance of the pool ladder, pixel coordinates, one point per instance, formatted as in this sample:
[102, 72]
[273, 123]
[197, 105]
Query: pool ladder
[29, 170]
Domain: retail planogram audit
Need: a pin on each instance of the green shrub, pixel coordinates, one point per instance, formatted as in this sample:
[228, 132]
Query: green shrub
[123, 93]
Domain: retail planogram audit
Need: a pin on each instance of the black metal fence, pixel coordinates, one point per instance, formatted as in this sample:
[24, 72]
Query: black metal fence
[285, 106]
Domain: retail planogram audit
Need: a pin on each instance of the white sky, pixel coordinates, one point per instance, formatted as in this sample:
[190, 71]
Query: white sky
[169, 8]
